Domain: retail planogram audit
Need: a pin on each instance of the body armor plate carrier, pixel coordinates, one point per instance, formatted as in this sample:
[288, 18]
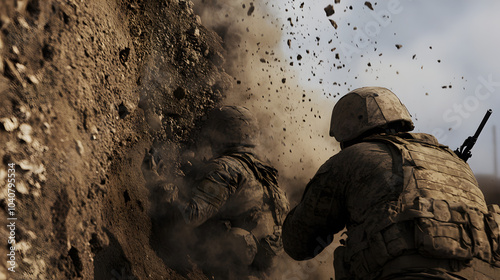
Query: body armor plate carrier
[440, 214]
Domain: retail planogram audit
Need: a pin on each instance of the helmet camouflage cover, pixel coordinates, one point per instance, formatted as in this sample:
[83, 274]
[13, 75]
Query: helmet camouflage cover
[364, 109]
[232, 126]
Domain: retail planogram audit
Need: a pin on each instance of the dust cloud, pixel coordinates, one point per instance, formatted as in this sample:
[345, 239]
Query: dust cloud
[294, 119]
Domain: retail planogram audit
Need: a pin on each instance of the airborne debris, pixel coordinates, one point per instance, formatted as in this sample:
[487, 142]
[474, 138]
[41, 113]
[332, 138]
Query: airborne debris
[251, 9]
[334, 24]
[398, 46]
[369, 5]
[329, 10]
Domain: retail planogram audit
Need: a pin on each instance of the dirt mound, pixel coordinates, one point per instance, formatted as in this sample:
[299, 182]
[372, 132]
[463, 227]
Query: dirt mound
[85, 88]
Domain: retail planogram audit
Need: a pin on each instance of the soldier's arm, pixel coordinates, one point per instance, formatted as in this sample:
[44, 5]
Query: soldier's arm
[309, 227]
[209, 195]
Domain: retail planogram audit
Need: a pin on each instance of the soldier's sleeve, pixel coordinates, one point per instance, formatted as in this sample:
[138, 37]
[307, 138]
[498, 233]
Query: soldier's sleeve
[310, 226]
[211, 193]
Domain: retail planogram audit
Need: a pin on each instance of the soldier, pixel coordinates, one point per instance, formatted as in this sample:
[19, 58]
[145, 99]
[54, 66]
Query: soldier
[235, 207]
[412, 209]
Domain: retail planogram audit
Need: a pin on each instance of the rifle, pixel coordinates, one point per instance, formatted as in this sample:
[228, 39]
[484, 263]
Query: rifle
[464, 152]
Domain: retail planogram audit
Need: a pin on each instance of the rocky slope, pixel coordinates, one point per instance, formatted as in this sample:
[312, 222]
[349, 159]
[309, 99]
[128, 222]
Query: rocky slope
[86, 87]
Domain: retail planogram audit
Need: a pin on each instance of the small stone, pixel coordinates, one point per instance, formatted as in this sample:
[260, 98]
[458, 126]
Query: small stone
[333, 23]
[31, 234]
[46, 128]
[25, 112]
[329, 10]
[3, 175]
[369, 5]
[15, 50]
[33, 79]
[251, 9]
[9, 124]
[36, 193]
[25, 133]
[79, 147]
[197, 19]
[195, 32]
[26, 165]
[21, 187]
[22, 21]
[21, 68]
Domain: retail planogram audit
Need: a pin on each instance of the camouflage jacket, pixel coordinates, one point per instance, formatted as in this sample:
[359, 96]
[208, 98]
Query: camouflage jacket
[239, 188]
[238, 210]
[396, 195]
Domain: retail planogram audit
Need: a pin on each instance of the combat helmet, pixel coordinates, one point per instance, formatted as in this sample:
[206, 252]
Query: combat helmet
[231, 126]
[365, 109]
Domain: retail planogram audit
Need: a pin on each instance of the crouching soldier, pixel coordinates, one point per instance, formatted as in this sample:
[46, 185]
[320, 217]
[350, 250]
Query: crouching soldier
[235, 207]
[412, 208]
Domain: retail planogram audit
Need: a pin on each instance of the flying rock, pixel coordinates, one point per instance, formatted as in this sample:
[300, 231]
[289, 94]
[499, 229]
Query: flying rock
[369, 5]
[329, 10]
[334, 24]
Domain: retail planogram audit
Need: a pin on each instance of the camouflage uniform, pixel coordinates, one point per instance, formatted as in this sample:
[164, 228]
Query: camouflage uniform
[239, 210]
[411, 207]
[235, 207]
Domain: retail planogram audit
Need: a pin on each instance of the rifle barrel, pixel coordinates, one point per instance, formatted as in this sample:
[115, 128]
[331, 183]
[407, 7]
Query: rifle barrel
[483, 122]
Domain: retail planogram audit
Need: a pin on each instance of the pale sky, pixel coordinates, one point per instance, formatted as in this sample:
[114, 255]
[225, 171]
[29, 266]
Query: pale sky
[443, 44]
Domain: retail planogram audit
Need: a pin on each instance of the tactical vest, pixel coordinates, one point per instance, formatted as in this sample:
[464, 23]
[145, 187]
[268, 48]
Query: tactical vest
[440, 213]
